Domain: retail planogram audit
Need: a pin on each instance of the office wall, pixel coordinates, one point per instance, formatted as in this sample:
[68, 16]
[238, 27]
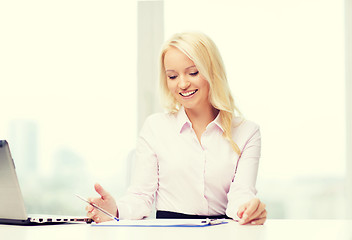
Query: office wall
[285, 65]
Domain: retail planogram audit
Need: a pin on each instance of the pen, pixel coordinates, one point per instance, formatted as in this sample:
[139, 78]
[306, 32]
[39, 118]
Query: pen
[97, 207]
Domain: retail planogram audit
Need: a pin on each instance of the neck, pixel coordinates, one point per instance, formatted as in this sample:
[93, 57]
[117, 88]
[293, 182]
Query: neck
[200, 118]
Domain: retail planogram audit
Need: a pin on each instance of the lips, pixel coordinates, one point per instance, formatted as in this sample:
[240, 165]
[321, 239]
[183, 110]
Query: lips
[188, 94]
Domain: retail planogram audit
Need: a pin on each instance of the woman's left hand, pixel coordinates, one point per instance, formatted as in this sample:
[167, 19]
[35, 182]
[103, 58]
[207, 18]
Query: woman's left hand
[252, 212]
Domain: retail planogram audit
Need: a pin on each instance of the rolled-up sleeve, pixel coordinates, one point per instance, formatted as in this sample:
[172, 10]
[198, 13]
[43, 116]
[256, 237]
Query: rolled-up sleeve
[242, 188]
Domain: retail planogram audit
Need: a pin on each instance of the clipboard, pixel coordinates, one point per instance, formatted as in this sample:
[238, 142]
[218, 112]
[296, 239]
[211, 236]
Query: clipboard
[163, 223]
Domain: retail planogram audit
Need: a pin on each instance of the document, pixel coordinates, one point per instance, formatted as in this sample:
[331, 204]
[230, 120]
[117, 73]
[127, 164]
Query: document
[162, 223]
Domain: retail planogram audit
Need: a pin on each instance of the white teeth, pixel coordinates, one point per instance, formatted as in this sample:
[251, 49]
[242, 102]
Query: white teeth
[188, 93]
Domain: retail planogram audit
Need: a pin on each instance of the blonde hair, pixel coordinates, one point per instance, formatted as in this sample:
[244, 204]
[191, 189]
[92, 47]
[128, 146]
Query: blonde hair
[205, 55]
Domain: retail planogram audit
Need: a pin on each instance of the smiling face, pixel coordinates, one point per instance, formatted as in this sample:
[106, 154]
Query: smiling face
[184, 81]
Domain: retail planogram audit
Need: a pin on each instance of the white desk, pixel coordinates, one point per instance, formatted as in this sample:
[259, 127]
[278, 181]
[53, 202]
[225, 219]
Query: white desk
[271, 230]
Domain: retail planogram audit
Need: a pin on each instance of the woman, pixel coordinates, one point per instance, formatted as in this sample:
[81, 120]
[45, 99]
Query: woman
[198, 160]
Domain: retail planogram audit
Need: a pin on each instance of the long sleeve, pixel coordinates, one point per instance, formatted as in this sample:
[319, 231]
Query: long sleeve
[189, 176]
[138, 201]
[242, 188]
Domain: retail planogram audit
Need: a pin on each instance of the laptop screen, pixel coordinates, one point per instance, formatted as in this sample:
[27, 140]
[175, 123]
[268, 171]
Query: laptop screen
[11, 200]
[12, 207]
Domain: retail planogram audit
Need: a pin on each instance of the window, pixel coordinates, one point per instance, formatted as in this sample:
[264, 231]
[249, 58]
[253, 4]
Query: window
[69, 107]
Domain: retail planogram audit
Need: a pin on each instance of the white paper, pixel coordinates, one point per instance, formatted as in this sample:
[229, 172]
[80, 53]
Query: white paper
[162, 223]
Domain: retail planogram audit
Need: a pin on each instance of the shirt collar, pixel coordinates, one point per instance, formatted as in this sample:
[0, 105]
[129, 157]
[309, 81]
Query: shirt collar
[216, 122]
[183, 121]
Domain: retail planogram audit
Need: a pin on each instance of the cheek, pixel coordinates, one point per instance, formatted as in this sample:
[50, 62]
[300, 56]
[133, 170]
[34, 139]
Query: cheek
[204, 84]
[206, 89]
[171, 86]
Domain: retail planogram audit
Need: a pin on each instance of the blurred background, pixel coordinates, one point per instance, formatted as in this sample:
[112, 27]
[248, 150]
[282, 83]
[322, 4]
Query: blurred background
[78, 78]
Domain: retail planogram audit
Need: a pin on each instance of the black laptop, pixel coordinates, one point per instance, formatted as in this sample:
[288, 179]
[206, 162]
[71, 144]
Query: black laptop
[12, 208]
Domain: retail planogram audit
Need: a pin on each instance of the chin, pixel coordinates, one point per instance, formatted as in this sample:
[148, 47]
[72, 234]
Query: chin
[189, 106]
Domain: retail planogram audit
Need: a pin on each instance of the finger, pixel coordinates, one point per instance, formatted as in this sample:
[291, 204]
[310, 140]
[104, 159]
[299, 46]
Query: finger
[90, 215]
[95, 212]
[252, 207]
[241, 210]
[98, 217]
[258, 213]
[256, 220]
[89, 208]
[95, 216]
[259, 221]
[263, 214]
[101, 191]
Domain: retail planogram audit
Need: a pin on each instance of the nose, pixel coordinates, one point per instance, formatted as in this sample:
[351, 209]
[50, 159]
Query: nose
[183, 82]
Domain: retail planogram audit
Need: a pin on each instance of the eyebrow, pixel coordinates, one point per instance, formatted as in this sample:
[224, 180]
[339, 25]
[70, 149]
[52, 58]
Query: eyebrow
[169, 70]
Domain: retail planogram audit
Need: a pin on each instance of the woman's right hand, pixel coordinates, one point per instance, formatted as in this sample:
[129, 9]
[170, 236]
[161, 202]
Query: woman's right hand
[105, 201]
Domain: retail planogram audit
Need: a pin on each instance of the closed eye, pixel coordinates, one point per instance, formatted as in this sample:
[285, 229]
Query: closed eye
[194, 73]
[172, 77]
